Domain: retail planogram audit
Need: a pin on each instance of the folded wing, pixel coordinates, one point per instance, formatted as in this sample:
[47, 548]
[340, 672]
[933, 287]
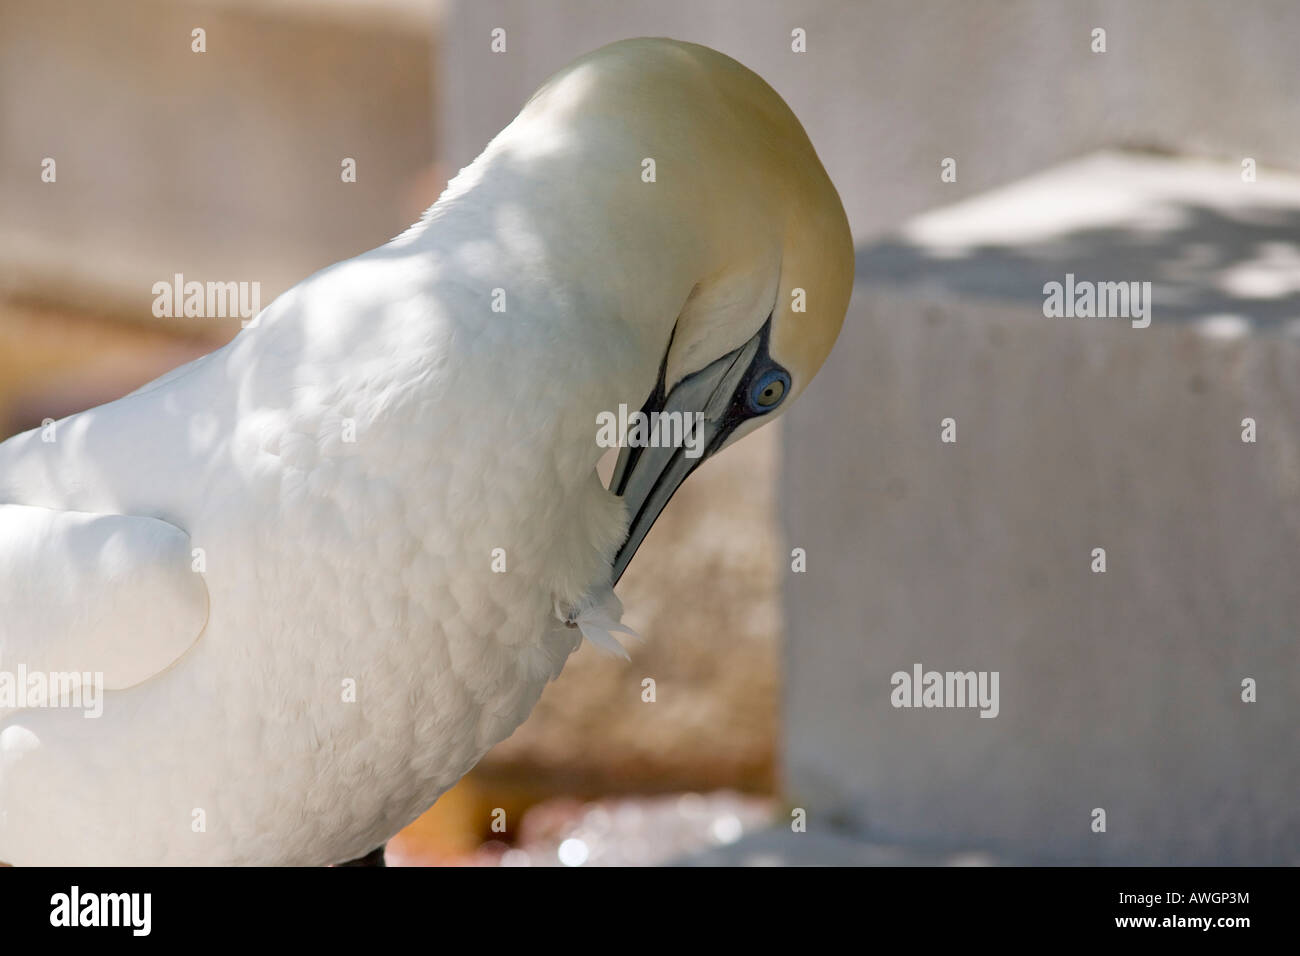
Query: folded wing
[96, 593]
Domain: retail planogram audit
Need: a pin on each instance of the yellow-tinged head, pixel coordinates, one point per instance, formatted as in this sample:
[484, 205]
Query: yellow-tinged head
[719, 240]
[739, 204]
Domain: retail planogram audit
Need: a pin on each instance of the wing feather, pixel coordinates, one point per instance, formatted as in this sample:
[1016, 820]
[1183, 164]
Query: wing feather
[96, 593]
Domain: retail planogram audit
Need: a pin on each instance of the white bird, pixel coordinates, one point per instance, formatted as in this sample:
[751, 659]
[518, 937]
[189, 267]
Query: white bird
[281, 556]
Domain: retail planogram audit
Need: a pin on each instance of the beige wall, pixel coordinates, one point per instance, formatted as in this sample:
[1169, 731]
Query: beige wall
[890, 87]
[223, 165]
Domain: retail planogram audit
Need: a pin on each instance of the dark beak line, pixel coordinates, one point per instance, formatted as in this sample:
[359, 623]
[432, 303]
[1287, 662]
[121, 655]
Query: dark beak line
[649, 477]
[642, 522]
[628, 456]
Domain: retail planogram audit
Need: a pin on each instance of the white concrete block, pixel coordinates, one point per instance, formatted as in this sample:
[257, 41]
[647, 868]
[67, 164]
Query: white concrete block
[1119, 690]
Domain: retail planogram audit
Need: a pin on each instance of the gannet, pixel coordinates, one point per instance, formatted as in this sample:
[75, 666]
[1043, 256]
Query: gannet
[320, 571]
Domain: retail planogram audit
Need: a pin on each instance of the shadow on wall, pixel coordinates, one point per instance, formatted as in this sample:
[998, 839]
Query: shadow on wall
[1201, 262]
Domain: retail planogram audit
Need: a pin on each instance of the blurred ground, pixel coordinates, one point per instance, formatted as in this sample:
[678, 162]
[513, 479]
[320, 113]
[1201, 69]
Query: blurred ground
[620, 831]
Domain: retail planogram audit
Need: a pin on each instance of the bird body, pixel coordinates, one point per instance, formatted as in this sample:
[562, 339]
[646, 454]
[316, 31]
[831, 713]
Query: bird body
[325, 568]
[324, 561]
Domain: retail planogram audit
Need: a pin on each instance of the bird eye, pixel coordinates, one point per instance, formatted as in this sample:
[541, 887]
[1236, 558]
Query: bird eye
[769, 390]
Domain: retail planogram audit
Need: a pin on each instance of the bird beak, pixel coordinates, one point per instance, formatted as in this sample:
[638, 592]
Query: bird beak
[646, 478]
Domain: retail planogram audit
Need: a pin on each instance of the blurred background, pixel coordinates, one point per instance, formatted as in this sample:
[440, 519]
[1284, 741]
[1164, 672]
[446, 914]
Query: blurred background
[982, 148]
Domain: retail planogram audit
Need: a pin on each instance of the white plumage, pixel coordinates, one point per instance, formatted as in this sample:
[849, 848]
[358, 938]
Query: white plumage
[315, 507]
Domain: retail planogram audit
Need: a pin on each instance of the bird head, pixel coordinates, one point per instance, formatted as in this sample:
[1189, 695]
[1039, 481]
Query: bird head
[742, 208]
[706, 258]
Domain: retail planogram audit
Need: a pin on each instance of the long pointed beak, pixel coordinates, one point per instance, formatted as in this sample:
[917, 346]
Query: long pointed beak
[647, 477]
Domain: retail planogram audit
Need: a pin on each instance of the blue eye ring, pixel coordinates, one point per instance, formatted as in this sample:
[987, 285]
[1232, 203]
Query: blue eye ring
[768, 391]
